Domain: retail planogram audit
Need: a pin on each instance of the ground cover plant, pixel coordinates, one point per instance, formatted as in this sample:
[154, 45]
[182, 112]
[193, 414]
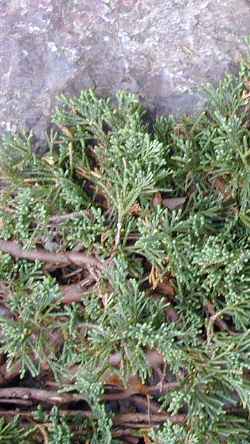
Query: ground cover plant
[124, 275]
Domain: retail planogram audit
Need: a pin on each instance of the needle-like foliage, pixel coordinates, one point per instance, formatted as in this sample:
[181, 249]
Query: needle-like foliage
[125, 275]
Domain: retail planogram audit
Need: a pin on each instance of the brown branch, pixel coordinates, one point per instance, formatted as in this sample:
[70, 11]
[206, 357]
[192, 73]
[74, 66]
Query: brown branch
[50, 397]
[219, 322]
[130, 439]
[22, 402]
[140, 389]
[119, 396]
[84, 413]
[162, 388]
[67, 258]
[43, 432]
[138, 420]
[146, 405]
[122, 432]
[58, 219]
[129, 420]
[70, 274]
[71, 293]
[75, 292]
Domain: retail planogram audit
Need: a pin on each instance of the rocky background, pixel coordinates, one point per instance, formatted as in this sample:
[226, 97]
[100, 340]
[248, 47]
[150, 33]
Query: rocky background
[164, 50]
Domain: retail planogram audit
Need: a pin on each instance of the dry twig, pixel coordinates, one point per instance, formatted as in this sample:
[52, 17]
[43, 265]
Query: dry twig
[67, 258]
[49, 397]
[140, 420]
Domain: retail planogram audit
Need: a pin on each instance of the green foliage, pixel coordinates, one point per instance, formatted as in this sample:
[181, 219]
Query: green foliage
[31, 304]
[109, 187]
[13, 432]
[60, 432]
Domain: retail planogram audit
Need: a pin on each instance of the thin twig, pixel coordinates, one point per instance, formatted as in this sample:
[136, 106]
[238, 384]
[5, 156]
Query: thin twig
[58, 219]
[158, 389]
[75, 292]
[130, 439]
[146, 404]
[118, 433]
[43, 432]
[67, 258]
[31, 414]
[71, 293]
[215, 318]
[162, 388]
[50, 397]
[134, 419]
[72, 273]
[23, 402]
[129, 420]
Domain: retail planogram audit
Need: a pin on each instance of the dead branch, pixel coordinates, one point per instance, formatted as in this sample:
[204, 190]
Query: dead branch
[162, 388]
[30, 414]
[129, 420]
[122, 432]
[130, 439]
[20, 402]
[71, 293]
[43, 432]
[140, 389]
[75, 292]
[67, 258]
[59, 219]
[139, 420]
[219, 322]
[146, 404]
[49, 397]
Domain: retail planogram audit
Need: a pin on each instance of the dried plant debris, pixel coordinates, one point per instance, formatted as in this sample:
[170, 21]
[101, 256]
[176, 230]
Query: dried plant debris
[124, 275]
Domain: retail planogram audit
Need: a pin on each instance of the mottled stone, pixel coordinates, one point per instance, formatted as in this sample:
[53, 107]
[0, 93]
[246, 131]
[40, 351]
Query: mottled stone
[164, 50]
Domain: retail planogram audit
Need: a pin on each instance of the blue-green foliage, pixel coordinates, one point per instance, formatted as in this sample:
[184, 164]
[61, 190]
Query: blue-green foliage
[94, 191]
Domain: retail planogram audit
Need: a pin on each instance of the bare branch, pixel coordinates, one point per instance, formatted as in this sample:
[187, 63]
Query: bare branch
[30, 414]
[49, 397]
[154, 390]
[59, 219]
[67, 258]
[138, 420]
[75, 292]
[215, 318]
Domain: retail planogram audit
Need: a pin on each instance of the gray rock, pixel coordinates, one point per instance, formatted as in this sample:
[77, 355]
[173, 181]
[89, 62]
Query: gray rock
[164, 50]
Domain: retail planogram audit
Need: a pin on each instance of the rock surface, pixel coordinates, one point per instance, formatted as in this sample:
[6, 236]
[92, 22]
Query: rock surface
[162, 49]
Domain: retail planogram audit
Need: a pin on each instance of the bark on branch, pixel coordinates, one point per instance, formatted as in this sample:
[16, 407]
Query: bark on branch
[75, 292]
[47, 396]
[138, 420]
[154, 390]
[67, 258]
